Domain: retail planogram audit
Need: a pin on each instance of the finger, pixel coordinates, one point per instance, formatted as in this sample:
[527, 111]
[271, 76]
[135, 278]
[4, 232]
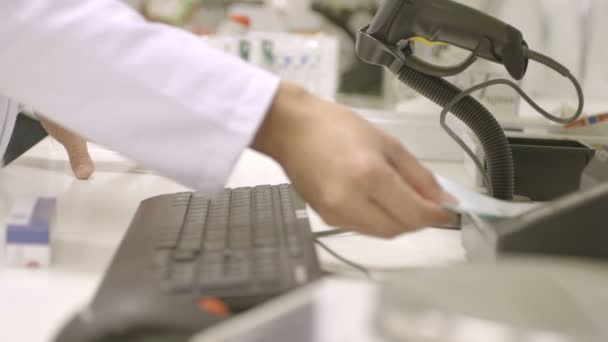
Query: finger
[76, 147]
[406, 205]
[416, 175]
[372, 220]
[366, 217]
[80, 159]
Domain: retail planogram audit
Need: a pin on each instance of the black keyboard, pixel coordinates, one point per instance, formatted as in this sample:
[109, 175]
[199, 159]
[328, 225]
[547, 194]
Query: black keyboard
[245, 246]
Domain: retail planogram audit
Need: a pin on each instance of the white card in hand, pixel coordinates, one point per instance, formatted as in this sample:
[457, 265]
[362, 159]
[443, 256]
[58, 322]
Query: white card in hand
[471, 202]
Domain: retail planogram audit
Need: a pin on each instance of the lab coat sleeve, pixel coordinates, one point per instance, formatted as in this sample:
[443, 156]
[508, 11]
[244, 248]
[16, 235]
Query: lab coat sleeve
[154, 93]
[8, 115]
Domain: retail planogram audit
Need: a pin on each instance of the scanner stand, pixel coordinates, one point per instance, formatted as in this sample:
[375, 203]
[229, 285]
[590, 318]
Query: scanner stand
[574, 225]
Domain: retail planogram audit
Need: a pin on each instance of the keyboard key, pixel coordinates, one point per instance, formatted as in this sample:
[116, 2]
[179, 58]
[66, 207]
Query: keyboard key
[166, 243]
[181, 277]
[236, 266]
[240, 244]
[266, 241]
[214, 276]
[194, 225]
[216, 235]
[193, 237]
[236, 256]
[240, 230]
[211, 270]
[197, 204]
[214, 245]
[242, 221]
[264, 263]
[198, 210]
[243, 238]
[224, 282]
[264, 230]
[197, 217]
[181, 200]
[162, 259]
[293, 244]
[294, 249]
[167, 232]
[289, 217]
[213, 258]
[184, 255]
[300, 274]
[190, 242]
[218, 219]
[217, 226]
[267, 277]
[183, 270]
[265, 253]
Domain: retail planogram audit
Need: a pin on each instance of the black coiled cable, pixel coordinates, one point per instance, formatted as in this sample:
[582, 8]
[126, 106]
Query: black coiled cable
[499, 172]
[496, 147]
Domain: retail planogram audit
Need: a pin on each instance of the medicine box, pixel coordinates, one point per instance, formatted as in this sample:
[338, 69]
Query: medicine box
[28, 233]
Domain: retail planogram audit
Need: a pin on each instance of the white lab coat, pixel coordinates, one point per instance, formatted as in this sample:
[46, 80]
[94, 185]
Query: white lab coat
[8, 115]
[154, 93]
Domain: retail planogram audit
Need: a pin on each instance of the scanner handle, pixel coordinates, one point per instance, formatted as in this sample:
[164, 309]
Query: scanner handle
[455, 24]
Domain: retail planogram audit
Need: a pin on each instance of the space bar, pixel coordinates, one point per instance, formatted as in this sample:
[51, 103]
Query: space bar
[223, 282]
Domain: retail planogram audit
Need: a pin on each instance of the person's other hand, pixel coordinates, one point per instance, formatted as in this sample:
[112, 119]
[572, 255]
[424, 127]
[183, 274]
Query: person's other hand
[75, 145]
[353, 174]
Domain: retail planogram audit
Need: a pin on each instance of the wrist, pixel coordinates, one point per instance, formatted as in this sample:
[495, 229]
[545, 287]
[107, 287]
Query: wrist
[282, 120]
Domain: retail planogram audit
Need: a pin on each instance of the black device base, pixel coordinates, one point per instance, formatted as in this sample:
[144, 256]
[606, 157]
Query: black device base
[575, 225]
[546, 169]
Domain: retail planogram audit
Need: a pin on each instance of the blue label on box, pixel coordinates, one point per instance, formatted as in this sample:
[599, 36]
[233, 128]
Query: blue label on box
[593, 120]
[37, 230]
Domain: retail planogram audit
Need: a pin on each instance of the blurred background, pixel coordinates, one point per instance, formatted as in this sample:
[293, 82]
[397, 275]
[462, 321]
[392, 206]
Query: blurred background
[312, 42]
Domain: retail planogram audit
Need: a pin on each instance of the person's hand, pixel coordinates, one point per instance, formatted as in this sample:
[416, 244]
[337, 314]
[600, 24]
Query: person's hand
[75, 145]
[353, 174]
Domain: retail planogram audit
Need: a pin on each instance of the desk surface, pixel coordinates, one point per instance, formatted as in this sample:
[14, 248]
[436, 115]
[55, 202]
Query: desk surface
[92, 217]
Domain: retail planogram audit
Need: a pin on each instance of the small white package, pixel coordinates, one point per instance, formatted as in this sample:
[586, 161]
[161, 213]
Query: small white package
[473, 203]
[28, 232]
